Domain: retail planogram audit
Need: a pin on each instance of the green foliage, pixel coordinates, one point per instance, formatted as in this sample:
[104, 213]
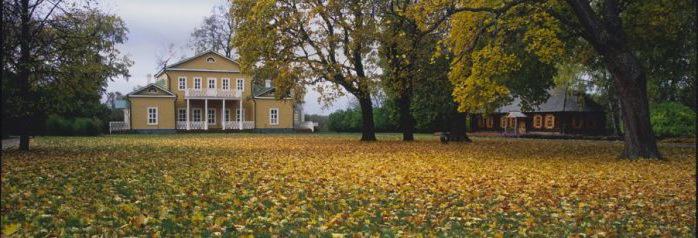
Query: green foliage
[673, 119]
[73, 58]
[349, 120]
[81, 126]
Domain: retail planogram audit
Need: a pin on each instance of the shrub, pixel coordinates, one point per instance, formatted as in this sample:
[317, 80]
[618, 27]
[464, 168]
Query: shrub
[671, 119]
[81, 126]
[57, 125]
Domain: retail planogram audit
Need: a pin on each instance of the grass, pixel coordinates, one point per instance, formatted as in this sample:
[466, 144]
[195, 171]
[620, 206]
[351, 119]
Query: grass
[331, 184]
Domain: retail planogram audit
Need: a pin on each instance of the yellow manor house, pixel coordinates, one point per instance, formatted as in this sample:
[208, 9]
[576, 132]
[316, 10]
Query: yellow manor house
[207, 92]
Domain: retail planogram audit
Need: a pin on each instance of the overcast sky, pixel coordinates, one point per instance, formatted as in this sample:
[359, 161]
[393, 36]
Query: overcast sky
[154, 24]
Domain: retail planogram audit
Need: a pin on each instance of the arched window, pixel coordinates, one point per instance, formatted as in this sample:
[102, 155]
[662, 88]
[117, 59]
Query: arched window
[210, 60]
[549, 121]
[537, 121]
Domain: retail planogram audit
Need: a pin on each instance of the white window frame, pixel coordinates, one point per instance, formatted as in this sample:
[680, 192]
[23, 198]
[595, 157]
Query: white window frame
[240, 84]
[155, 117]
[227, 115]
[211, 117]
[208, 83]
[225, 84]
[239, 114]
[182, 83]
[197, 80]
[179, 114]
[193, 114]
[271, 118]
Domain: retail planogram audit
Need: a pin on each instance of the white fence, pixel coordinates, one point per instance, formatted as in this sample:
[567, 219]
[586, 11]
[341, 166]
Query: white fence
[118, 126]
[211, 93]
[229, 125]
[308, 125]
[246, 125]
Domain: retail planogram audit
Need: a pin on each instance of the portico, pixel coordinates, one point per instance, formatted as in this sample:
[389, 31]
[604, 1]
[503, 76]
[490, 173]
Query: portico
[206, 109]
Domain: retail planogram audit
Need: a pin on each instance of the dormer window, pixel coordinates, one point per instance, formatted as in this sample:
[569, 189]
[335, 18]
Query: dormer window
[210, 60]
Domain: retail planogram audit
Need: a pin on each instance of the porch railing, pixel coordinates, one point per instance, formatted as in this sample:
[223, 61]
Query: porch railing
[308, 125]
[211, 93]
[246, 125]
[229, 125]
[118, 126]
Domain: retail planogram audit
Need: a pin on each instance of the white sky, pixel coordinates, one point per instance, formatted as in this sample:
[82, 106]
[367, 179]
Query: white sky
[154, 24]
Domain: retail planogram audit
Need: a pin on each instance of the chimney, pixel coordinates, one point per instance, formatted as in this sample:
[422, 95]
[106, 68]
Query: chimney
[267, 83]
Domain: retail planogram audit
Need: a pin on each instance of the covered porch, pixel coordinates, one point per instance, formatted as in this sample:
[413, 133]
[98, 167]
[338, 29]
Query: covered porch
[212, 114]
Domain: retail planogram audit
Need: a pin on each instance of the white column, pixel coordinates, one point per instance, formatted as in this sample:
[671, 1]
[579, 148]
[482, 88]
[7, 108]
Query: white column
[205, 114]
[223, 115]
[242, 113]
[188, 115]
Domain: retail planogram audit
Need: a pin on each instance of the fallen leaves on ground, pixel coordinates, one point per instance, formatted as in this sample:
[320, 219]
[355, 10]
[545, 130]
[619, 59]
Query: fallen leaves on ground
[334, 186]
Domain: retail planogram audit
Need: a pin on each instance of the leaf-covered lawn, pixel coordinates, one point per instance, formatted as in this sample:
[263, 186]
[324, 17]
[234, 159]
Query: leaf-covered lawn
[231, 184]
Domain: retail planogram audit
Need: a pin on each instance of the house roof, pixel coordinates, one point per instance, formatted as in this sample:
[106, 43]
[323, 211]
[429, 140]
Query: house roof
[260, 91]
[560, 100]
[120, 104]
[151, 90]
[516, 114]
[167, 67]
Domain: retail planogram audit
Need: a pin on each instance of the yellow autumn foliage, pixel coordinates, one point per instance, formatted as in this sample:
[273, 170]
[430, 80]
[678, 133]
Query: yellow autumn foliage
[333, 185]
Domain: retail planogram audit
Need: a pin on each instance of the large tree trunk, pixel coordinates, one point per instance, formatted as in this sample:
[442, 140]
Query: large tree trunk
[367, 127]
[607, 37]
[23, 77]
[458, 128]
[406, 119]
[632, 90]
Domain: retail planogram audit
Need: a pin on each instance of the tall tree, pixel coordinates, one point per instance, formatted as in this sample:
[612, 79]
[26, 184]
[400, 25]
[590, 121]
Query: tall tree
[215, 32]
[306, 42]
[549, 30]
[410, 67]
[400, 39]
[57, 58]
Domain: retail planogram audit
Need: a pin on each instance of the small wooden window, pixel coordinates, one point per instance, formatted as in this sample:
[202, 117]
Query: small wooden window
[490, 122]
[549, 121]
[537, 121]
[503, 122]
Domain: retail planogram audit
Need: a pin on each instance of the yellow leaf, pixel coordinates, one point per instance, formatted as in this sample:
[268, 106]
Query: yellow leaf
[10, 229]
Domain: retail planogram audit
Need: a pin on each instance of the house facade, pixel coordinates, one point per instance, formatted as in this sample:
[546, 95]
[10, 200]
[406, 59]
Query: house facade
[564, 113]
[208, 92]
